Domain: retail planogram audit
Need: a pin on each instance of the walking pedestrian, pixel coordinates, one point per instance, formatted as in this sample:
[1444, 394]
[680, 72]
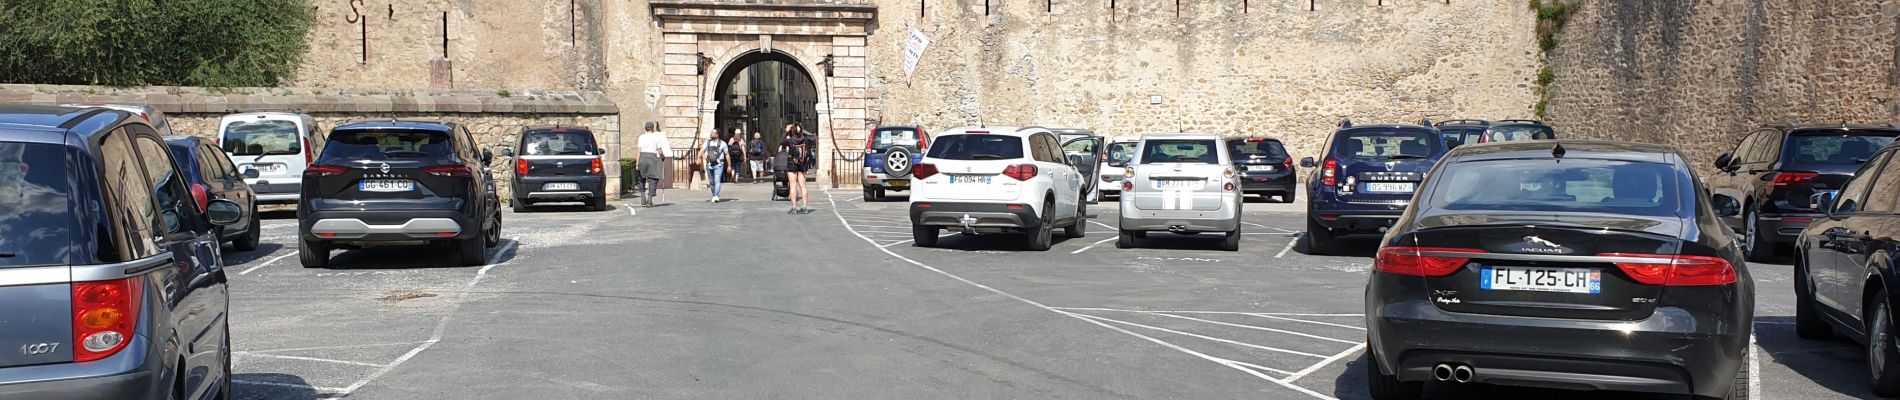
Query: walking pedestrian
[797, 148]
[653, 151]
[756, 153]
[735, 155]
[716, 163]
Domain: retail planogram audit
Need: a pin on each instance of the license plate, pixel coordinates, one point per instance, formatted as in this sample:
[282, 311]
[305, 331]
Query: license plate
[1262, 168]
[1179, 184]
[387, 185]
[1389, 187]
[975, 179]
[897, 183]
[268, 168]
[561, 186]
[1561, 280]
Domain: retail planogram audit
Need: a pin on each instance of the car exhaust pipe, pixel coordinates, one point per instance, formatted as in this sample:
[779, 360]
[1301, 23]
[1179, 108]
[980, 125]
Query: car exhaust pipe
[1463, 374]
[1442, 372]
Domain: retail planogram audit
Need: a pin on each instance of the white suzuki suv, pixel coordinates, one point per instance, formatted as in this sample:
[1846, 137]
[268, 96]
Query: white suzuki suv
[980, 180]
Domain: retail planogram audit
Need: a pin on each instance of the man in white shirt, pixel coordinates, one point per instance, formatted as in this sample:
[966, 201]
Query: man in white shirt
[653, 151]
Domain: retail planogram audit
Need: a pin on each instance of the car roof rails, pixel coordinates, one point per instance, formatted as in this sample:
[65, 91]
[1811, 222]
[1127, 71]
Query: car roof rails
[1345, 123]
[1526, 121]
[1426, 122]
[253, 110]
[1463, 122]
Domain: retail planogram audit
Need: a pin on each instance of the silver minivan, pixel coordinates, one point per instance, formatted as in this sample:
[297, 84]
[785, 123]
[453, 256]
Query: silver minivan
[1184, 183]
[276, 144]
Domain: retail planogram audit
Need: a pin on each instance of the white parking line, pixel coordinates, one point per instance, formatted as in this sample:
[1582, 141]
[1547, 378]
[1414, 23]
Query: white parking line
[1204, 337]
[353, 346]
[1322, 363]
[1289, 245]
[1262, 328]
[630, 212]
[1091, 246]
[1217, 360]
[286, 385]
[250, 354]
[247, 271]
[440, 326]
[1754, 368]
[1206, 312]
[1282, 230]
[1268, 316]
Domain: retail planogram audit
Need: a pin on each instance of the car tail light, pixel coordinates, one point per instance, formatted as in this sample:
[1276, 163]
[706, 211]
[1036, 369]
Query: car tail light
[105, 315]
[325, 170]
[448, 170]
[870, 140]
[923, 171]
[201, 194]
[1413, 261]
[594, 167]
[309, 155]
[521, 167]
[1288, 162]
[1021, 172]
[1329, 173]
[1677, 270]
[1128, 186]
[923, 140]
[1794, 177]
[1229, 187]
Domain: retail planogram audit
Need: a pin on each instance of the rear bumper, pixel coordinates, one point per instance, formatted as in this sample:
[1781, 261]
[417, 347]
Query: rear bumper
[1226, 219]
[1274, 183]
[974, 215]
[587, 186]
[1784, 228]
[885, 181]
[282, 190]
[1358, 221]
[1669, 352]
[121, 376]
[387, 226]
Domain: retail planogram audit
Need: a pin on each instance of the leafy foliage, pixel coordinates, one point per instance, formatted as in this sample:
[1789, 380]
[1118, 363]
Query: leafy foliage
[218, 43]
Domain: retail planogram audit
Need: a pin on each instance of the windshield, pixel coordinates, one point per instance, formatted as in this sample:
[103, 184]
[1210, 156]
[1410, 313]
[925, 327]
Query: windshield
[1119, 154]
[1455, 137]
[1573, 185]
[977, 147]
[1506, 133]
[262, 137]
[548, 143]
[36, 219]
[1256, 150]
[1380, 145]
[1851, 148]
[345, 146]
[1189, 151]
[885, 138]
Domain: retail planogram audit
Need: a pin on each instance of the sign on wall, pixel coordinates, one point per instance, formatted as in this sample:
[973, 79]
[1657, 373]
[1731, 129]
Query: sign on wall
[913, 51]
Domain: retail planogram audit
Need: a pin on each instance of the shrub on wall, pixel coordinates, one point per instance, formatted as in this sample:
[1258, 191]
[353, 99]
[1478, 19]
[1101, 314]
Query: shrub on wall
[220, 43]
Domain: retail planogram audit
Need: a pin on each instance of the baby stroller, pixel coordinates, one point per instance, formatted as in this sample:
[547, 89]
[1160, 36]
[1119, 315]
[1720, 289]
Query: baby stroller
[781, 186]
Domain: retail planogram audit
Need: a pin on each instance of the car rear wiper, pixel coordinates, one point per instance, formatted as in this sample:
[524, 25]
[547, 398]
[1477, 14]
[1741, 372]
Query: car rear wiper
[1404, 157]
[8, 255]
[985, 157]
[406, 153]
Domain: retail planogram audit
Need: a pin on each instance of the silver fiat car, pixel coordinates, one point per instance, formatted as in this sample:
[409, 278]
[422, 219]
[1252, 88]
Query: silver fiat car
[1183, 183]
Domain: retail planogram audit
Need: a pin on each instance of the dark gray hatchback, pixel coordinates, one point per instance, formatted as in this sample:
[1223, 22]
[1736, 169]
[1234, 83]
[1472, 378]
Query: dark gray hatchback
[101, 252]
[1563, 264]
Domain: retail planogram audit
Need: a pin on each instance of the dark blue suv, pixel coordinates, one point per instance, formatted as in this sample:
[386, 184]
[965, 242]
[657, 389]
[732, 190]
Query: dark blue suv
[1366, 178]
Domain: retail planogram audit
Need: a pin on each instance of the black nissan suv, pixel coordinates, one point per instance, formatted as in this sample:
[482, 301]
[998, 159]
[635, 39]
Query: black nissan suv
[1776, 169]
[398, 183]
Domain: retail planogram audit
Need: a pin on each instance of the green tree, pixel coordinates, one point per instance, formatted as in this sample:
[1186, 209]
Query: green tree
[220, 43]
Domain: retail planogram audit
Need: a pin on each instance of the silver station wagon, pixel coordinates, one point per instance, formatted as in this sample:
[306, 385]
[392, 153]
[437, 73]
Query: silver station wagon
[1184, 183]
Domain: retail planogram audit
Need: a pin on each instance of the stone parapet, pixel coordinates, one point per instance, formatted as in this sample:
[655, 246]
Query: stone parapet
[178, 100]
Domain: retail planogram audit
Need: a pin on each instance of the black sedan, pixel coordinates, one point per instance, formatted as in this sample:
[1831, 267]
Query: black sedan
[1844, 267]
[1265, 168]
[1562, 264]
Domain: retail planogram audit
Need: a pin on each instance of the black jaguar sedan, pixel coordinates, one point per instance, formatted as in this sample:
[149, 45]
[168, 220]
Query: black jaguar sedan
[1566, 264]
[1844, 267]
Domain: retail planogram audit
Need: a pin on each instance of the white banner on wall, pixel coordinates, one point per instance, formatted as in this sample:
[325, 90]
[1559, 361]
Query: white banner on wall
[913, 51]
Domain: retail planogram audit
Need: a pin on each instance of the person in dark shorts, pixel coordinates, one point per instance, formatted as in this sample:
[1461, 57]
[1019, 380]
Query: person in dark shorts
[797, 148]
[653, 151]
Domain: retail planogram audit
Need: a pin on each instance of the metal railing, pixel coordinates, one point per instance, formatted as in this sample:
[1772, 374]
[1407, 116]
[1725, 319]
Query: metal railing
[847, 168]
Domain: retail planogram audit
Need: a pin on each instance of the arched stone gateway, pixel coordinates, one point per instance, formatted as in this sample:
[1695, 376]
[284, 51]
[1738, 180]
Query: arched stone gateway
[706, 41]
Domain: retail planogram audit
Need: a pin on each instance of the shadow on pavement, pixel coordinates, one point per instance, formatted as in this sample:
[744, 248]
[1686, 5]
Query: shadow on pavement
[997, 242]
[1347, 246]
[561, 208]
[271, 386]
[413, 257]
[264, 249]
[1838, 364]
[1178, 242]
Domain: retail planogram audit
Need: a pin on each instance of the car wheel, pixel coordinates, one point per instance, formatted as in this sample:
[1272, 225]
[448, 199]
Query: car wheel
[1388, 387]
[313, 254]
[1287, 198]
[1232, 243]
[923, 235]
[1079, 228]
[519, 205]
[471, 251]
[251, 236]
[1126, 240]
[1757, 249]
[1883, 354]
[1318, 238]
[1807, 320]
[1045, 230]
[870, 194]
[491, 237]
[600, 203]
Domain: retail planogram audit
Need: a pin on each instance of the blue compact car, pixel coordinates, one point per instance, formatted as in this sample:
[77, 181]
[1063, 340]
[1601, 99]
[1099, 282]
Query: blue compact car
[1365, 179]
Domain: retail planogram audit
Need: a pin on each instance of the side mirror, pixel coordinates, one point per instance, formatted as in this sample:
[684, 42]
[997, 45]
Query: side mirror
[1823, 201]
[487, 156]
[251, 173]
[1726, 207]
[223, 212]
[507, 152]
[1306, 162]
[1722, 161]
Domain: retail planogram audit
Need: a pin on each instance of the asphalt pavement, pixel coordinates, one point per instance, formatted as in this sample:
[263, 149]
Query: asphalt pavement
[695, 300]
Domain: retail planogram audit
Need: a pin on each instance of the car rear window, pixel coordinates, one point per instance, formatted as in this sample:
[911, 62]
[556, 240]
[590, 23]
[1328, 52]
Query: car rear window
[883, 139]
[387, 145]
[1369, 144]
[1119, 154]
[263, 137]
[1178, 151]
[36, 219]
[1266, 149]
[549, 143]
[1569, 185]
[1835, 148]
[976, 147]
[1506, 133]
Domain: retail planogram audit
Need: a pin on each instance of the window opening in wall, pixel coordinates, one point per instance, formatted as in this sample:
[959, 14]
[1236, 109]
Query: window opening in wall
[920, 8]
[986, 7]
[445, 35]
[1048, 6]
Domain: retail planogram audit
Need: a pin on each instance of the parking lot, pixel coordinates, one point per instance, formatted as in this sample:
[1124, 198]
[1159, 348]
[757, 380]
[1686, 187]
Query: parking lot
[740, 300]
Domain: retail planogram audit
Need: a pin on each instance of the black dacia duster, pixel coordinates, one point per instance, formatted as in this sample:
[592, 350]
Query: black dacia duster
[398, 183]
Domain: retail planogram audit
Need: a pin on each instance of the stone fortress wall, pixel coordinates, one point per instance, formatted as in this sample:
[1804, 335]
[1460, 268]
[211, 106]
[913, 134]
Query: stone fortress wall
[1700, 74]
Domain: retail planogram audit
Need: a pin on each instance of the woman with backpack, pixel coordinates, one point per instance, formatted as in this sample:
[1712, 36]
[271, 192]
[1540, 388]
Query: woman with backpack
[797, 149]
[716, 163]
